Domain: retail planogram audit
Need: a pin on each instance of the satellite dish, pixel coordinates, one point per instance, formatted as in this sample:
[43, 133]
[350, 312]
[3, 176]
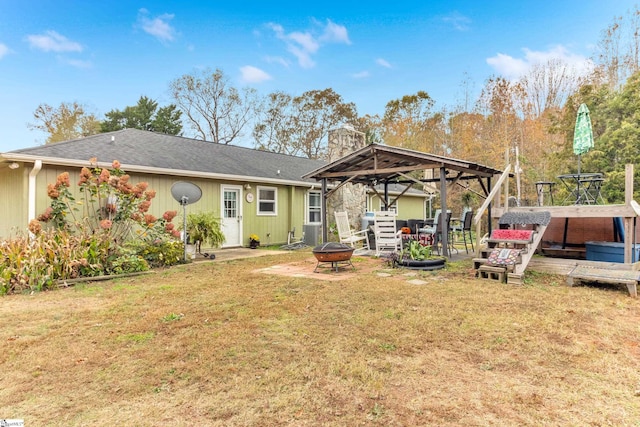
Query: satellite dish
[186, 193]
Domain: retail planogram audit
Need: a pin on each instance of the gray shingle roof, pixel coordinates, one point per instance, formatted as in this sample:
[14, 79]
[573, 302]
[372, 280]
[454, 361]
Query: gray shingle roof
[150, 149]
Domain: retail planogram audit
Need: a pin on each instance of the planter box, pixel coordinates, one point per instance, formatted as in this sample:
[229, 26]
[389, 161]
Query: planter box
[610, 252]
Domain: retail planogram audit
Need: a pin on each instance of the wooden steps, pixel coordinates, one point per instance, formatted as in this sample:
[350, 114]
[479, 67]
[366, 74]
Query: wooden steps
[511, 256]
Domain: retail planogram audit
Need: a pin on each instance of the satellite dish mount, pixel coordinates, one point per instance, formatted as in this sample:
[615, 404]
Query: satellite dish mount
[185, 193]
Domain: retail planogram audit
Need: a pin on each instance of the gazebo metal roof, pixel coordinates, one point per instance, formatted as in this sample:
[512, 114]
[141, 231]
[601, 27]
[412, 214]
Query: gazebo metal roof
[377, 164]
[381, 163]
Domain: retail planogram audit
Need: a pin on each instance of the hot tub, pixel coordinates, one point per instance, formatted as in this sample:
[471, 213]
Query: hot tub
[610, 252]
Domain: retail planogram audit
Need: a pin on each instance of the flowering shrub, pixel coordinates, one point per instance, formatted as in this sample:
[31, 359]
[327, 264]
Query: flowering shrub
[107, 231]
[110, 204]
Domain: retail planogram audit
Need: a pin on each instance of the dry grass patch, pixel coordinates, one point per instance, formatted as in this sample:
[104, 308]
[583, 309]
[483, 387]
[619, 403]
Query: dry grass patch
[218, 344]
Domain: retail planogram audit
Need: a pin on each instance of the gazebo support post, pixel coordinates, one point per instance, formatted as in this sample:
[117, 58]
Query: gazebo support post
[444, 225]
[386, 195]
[325, 228]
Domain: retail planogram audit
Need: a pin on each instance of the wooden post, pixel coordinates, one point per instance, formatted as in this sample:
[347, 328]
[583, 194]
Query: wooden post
[325, 225]
[444, 230]
[629, 231]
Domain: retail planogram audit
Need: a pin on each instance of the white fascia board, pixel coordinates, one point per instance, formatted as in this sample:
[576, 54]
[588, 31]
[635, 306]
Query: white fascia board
[25, 158]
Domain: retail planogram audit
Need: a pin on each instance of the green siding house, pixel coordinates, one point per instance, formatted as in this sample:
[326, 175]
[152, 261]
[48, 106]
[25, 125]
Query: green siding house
[252, 191]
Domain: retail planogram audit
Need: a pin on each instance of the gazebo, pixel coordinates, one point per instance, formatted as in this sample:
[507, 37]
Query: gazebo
[378, 166]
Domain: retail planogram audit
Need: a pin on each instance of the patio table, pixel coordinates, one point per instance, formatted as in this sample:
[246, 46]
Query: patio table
[583, 188]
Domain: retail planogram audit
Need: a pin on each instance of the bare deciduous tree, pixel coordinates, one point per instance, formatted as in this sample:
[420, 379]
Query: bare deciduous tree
[215, 110]
[547, 86]
[299, 125]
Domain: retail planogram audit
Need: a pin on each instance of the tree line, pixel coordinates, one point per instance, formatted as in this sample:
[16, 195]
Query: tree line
[535, 114]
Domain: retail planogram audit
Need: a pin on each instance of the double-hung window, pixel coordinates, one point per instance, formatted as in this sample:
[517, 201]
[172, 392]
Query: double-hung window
[314, 207]
[267, 200]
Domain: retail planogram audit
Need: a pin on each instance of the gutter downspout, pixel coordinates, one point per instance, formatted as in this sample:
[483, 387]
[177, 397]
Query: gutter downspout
[37, 165]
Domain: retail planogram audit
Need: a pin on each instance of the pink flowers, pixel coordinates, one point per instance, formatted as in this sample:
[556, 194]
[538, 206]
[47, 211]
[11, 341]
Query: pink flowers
[169, 215]
[104, 176]
[34, 226]
[85, 175]
[107, 200]
[144, 206]
[46, 215]
[52, 191]
[150, 219]
[63, 180]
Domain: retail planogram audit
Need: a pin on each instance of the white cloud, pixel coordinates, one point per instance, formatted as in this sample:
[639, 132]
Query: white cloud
[158, 27]
[383, 63]
[277, 60]
[51, 41]
[4, 50]
[334, 33]
[508, 66]
[513, 68]
[305, 41]
[303, 45]
[361, 75]
[304, 57]
[78, 63]
[458, 21]
[253, 75]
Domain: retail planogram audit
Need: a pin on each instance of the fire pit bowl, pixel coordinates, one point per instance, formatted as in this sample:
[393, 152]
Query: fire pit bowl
[333, 253]
[330, 252]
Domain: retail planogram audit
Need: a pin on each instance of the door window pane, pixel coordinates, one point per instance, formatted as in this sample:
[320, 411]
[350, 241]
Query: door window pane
[230, 204]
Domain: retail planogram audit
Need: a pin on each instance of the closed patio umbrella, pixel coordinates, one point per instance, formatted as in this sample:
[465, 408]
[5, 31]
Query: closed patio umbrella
[582, 134]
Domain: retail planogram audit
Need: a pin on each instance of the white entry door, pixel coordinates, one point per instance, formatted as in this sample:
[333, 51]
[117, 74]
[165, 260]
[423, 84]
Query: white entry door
[232, 215]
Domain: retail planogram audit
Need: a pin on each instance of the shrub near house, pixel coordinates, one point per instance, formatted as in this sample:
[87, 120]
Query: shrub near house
[108, 231]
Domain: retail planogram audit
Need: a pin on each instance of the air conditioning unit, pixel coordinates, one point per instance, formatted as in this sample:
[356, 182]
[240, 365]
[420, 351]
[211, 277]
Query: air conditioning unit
[312, 234]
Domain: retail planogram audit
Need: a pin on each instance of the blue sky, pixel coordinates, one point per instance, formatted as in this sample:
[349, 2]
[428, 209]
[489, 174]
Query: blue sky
[107, 54]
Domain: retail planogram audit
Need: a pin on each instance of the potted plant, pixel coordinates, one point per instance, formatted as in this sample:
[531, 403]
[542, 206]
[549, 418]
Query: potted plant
[204, 227]
[254, 241]
[413, 255]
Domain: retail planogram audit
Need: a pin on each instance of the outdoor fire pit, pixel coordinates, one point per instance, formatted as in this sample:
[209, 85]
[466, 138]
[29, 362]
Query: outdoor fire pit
[334, 254]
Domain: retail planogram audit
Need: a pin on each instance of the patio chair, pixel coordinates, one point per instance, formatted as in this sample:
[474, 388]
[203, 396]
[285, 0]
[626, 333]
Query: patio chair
[464, 227]
[347, 235]
[435, 231]
[388, 238]
[430, 230]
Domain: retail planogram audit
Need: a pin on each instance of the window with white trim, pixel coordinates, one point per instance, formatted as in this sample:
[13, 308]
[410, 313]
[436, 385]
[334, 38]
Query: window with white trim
[267, 197]
[314, 207]
[393, 208]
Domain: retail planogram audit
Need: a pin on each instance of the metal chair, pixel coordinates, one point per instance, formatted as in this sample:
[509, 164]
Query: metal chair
[464, 227]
